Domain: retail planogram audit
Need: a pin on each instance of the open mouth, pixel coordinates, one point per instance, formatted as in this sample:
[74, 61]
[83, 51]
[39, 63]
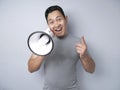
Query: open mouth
[58, 30]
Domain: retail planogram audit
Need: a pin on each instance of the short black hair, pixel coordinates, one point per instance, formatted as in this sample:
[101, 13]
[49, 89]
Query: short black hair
[53, 8]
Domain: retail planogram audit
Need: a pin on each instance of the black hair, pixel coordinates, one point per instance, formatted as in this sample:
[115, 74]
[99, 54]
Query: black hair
[53, 8]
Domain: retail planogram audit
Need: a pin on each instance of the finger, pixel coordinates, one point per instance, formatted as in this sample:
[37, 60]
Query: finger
[79, 48]
[79, 45]
[83, 41]
[78, 51]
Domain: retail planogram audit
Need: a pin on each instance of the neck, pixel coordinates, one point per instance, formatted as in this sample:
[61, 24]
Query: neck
[62, 37]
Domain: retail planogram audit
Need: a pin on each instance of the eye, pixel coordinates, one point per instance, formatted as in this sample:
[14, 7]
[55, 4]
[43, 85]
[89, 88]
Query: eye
[59, 19]
[50, 22]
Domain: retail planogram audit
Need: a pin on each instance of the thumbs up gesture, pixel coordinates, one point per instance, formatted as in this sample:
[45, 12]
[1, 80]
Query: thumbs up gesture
[81, 48]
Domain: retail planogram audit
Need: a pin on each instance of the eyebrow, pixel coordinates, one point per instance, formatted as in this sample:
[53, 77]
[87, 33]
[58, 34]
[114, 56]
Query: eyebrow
[55, 18]
[58, 16]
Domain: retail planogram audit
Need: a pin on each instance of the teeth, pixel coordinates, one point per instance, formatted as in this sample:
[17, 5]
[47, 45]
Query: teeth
[59, 29]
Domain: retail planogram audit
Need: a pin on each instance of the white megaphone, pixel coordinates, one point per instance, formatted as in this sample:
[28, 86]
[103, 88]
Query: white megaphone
[41, 42]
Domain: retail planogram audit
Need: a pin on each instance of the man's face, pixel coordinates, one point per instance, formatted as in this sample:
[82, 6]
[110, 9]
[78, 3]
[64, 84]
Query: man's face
[57, 23]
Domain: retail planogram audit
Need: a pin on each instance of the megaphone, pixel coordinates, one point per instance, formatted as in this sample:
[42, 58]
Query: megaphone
[41, 42]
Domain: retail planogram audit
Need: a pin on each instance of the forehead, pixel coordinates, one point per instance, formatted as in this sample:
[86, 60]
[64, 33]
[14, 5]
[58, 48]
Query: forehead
[54, 14]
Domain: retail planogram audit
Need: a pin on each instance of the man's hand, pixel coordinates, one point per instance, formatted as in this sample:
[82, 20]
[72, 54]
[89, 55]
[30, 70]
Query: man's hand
[85, 58]
[81, 48]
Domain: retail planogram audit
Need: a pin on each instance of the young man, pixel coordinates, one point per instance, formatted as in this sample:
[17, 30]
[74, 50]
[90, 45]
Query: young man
[60, 65]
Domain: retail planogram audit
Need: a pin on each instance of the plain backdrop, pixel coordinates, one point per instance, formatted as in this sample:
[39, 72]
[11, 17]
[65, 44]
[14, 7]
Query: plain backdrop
[97, 20]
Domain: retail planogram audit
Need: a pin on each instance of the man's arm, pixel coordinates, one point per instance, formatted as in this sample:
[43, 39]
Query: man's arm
[86, 59]
[88, 63]
[34, 62]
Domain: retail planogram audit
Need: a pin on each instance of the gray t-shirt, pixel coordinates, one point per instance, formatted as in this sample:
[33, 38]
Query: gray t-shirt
[60, 65]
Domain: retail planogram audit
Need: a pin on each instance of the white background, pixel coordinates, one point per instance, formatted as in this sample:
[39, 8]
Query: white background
[97, 20]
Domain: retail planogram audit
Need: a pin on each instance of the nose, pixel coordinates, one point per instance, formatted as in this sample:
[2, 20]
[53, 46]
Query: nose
[56, 24]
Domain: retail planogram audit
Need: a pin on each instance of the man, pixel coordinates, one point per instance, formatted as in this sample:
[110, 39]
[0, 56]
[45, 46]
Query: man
[60, 65]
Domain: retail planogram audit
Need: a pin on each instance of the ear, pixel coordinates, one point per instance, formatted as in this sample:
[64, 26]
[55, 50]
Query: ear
[66, 17]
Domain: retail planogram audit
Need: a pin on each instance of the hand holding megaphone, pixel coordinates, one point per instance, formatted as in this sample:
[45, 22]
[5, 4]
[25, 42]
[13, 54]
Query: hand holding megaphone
[41, 43]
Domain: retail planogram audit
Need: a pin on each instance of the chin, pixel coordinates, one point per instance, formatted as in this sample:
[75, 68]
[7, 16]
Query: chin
[61, 36]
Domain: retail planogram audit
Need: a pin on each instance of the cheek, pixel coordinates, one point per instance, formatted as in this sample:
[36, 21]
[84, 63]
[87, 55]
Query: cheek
[51, 27]
[52, 30]
[63, 23]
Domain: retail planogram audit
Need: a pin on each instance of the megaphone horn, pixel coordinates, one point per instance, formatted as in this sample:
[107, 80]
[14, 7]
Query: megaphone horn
[41, 43]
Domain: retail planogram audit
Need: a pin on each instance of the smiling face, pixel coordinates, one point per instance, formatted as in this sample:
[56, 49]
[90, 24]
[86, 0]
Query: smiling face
[57, 23]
